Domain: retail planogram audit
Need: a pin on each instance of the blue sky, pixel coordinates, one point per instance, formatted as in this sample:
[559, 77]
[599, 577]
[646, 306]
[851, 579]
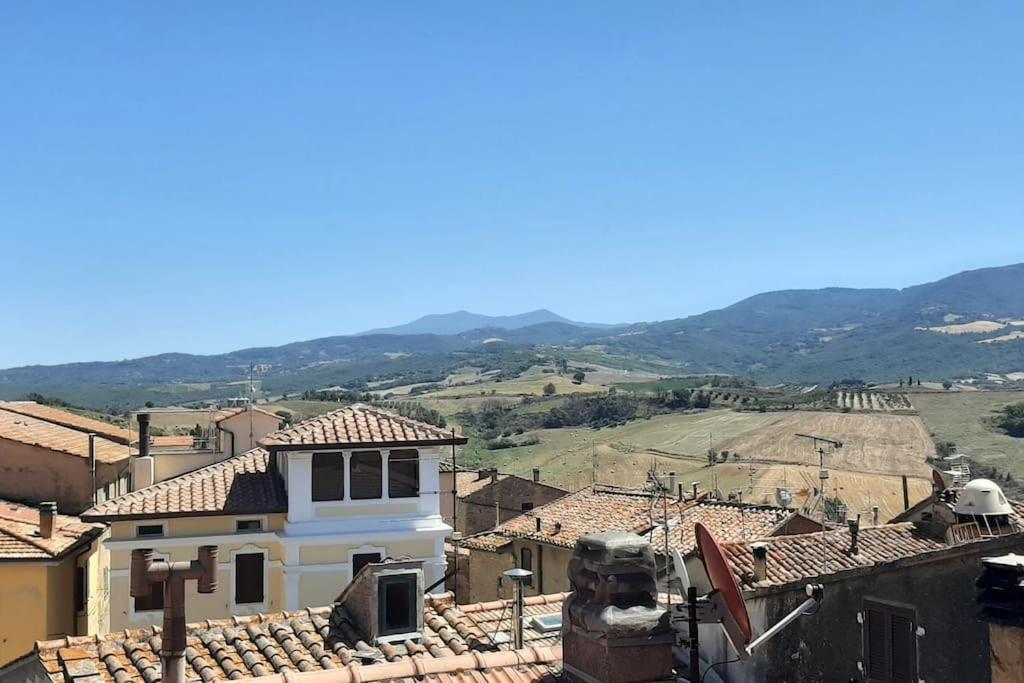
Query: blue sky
[202, 177]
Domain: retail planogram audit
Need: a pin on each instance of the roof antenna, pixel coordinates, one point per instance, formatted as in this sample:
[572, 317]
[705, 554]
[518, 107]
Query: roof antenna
[819, 442]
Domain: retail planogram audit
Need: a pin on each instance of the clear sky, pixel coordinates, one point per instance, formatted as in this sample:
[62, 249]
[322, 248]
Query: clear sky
[203, 177]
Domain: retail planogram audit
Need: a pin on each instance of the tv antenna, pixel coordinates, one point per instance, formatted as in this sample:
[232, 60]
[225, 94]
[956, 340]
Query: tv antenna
[820, 442]
[723, 604]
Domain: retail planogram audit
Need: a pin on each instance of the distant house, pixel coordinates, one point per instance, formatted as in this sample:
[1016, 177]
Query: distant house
[490, 498]
[53, 577]
[45, 456]
[294, 519]
[542, 540]
[898, 602]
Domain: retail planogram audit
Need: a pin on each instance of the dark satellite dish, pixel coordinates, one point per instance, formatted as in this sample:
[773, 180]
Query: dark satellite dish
[724, 582]
[938, 483]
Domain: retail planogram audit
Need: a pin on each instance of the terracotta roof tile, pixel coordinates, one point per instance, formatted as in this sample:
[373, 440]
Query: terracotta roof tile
[798, 558]
[603, 508]
[68, 419]
[325, 638]
[20, 539]
[359, 425]
[244, 484]
[34, 431]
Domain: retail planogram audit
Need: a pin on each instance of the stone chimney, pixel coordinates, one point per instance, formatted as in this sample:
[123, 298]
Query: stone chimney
[47, 519]
[695, 485]
[494, 475]
[671, 482]
[760, 551]
[613, 630]
[536, 474]
[854, 526]
[874, 515]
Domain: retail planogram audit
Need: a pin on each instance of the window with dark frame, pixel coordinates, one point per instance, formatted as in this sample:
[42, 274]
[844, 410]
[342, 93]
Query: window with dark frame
[153, 601]
[397, 604]
[403, 474]
[80, 589]
[890, 643]
[248, 578]
[249, 525]
[149, 530]
[328, 476]
[526, 562]
[526, 505]
[360, 560]
[366, 474]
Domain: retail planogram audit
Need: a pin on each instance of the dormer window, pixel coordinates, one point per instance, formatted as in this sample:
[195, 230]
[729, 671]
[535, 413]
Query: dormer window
[403, 474]
[328, 476]
[397, 604]
[366, 474]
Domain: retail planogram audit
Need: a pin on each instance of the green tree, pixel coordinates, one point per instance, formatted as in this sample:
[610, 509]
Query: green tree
[578, 377]
[549, 389]
[947, 385]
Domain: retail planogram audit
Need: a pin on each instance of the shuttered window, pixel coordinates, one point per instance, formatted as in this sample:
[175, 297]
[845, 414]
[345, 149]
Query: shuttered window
[80, 589]
[403, 474]
[890, 643]
[366, 475]
[248, 578]
[328, 476]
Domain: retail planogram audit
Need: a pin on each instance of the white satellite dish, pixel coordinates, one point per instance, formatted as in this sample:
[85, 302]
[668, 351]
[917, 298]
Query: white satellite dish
[681, 573]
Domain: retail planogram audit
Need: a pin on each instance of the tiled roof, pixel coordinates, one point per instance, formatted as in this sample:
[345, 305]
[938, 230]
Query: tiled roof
[68, 419]
[243, 484]
[590, 510]
[798, 558]
[449, 466]
[726, 522]
[37, 432]
[323, 638]
[20, 539]
[359, 425]
[231, 412]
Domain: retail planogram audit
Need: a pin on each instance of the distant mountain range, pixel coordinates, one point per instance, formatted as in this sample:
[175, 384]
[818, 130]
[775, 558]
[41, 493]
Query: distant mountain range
[464, 321]
[786, 336]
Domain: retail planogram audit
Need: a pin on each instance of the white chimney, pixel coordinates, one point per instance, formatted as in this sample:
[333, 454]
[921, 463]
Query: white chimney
[760, 551]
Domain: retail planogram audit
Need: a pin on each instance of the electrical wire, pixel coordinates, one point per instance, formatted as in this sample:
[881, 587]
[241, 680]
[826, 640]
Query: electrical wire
[724, 661]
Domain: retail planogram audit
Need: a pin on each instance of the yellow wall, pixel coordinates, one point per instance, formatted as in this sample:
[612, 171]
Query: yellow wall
[486, 569]
[37, 603]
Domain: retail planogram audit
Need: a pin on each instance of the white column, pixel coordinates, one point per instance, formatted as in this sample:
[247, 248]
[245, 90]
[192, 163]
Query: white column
[300, 487]
[347, 477]
[430, 482]
[384, 455]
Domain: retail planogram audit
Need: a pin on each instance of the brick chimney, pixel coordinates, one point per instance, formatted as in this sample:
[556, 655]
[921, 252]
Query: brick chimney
[47, 517]
[613, 630]
[854, 526]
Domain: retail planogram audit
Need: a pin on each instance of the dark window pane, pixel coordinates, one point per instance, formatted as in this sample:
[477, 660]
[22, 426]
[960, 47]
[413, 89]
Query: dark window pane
[527, 506]
[366, 475]
[397, 603]
[328, 476]
[248, 578]
[249, 525]
[526, 562]
[145, 530]
[403, 474]
[360, 560]
[153, 601]
[80, 589]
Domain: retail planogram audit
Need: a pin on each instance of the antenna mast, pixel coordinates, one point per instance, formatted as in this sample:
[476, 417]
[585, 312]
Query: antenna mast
[819, 446]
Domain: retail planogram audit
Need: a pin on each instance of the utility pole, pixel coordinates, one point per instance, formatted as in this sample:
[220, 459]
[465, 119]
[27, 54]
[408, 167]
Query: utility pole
[819, 443]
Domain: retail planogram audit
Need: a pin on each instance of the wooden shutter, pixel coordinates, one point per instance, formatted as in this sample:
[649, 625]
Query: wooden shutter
[903, 654]
[366, 475]
[248, 578]
[877, 645]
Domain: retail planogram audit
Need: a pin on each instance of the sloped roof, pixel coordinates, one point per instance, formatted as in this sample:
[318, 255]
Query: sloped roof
[565, 520]
[798, 558]
[20, 539]
[324, 638]
[725, 521]
[68, 419]
[229, 413]
[359, 426]
[38, 432]
[243, 484]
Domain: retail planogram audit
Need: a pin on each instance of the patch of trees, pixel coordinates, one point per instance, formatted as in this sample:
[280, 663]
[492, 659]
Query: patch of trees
[1011, 420]
[417, 411]
[336, 395]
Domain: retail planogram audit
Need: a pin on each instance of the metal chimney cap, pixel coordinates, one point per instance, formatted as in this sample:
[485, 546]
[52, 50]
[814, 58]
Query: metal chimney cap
[518, 574]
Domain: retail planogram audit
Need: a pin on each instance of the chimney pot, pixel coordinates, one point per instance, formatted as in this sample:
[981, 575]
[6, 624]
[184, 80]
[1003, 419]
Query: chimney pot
[538, 523]
[874, 515]
[494, 475]
[536, 474]
[854, 525]
[47, 518]
[671, 481]
[680, 492]
[143, 419]
[760, 551]
[695, 486]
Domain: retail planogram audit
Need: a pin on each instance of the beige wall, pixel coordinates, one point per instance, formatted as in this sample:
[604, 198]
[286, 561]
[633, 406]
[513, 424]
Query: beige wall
[34, 474]
[485, 570]
[477, 511]
[550, 570]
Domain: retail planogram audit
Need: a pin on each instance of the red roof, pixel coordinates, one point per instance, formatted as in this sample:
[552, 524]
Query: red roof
[359, 426]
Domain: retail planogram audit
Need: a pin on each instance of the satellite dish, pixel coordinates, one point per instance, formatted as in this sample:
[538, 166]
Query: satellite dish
[938, 483]
[723, 581]
[681, 573]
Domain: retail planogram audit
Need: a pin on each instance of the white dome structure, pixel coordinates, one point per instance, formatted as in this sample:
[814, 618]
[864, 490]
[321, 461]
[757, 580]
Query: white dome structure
[982, 497]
